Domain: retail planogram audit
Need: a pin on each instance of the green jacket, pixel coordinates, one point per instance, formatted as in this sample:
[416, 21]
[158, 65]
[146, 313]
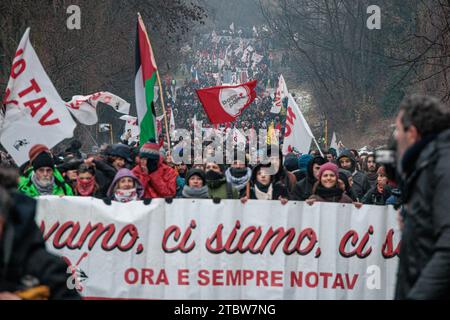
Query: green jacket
[60, 188]
[218, 189]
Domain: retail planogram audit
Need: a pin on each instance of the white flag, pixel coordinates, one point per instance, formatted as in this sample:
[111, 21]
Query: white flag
[333, 143]
[232, 26]
[84, 108]
[35, 112]
[104, 127]
[280, 94]
[297, 134]
[131, 130]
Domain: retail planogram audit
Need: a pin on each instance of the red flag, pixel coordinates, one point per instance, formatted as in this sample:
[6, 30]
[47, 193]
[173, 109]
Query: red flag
[225, 103]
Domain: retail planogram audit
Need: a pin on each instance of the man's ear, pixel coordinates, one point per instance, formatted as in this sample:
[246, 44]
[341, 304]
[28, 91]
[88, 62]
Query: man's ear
[413, 135]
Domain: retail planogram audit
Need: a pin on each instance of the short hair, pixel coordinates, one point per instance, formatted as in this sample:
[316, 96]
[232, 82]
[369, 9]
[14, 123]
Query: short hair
[426, 113]
[83, 168]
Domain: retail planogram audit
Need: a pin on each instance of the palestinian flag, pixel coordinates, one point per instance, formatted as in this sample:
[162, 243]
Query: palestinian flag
[143, 84]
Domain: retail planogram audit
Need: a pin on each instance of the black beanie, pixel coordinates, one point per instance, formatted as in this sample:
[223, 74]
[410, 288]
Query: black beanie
[44, 159]
[197, 172]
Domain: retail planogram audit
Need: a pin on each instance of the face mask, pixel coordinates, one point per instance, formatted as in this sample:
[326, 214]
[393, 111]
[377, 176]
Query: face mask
[238, 172]
[213, 175]
[152, 164]
[125, 195]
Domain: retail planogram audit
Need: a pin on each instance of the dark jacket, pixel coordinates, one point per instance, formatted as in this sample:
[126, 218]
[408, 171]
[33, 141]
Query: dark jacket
[23, 253]
[375, 198]
[360, 181]
[424, 266]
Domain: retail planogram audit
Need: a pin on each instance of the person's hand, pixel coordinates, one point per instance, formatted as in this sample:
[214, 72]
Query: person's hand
[283, 200]
[358, 205]
[8, 296]
[310, 201]
[244, 200]
[89, 161]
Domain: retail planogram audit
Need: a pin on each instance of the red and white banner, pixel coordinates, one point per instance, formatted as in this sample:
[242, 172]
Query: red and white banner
[195, 249]
[84, 108]
[297, 134]
[131, 127]
[35, 113]
[225, 103]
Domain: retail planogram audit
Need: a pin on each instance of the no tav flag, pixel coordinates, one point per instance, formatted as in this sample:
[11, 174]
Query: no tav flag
[35, 112]
[225, 103]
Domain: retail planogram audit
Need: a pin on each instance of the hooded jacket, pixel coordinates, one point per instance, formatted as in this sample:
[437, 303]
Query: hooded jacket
[303, 188]
[121, 174]
[424, 271]
[360, 181]
[161, 183]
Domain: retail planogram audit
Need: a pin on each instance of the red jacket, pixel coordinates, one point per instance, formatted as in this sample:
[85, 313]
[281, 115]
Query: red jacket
[160, 183]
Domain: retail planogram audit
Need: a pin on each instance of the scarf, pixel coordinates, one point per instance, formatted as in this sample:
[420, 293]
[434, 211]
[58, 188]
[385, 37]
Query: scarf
[334, 193]
[214, 179]
[263, 192]
[197, 193]
[42, 188]
[85, 188]
[238, 183]
[126, 195]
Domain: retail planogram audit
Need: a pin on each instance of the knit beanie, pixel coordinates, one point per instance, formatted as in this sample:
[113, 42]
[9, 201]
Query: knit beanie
[328, 166]
[40, 157]
[196, 172]
[150, 150]
[291, 162]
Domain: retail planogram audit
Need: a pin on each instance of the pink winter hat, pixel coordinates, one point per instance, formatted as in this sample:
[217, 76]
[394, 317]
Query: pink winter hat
[328, 166]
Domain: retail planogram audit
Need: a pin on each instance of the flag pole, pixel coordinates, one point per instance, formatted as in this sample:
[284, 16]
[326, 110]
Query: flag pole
[318, 147]
[111, 133]
[161, 95]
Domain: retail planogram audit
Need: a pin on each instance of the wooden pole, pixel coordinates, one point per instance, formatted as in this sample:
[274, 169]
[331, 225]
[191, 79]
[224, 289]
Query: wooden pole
[111, 133]
[161, 94]
[326, 134]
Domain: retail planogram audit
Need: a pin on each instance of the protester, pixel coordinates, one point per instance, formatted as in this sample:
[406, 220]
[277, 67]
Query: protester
[238, 175]
[291, 164]
[347, 178]
[381, 192]
[28, 258]
[218, 187]
[361, 184]
[157, 178]
[195, 187]
[303, 188]
[87, 185]
[42, 178]
[125, 187]
[423, 144]
[265, 186]
[303, 162]
[370, 167]
[329, 188]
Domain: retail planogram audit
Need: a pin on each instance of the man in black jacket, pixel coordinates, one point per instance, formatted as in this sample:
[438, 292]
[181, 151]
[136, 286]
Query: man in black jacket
[423, 145]
[25, 264]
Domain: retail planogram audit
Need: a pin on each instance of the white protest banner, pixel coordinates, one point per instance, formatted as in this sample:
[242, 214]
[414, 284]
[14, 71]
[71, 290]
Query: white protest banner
[195, 249]
[84, 108]
[333, 143]
[280, 93]
[35, 113]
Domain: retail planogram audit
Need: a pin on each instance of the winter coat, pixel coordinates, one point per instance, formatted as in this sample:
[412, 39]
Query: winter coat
[23, 253]
[104, 175]
[343, 199]
[424, 265]
[360, 181]
[160, 183]
[221, 189]
[60, 187]
[375, 198]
